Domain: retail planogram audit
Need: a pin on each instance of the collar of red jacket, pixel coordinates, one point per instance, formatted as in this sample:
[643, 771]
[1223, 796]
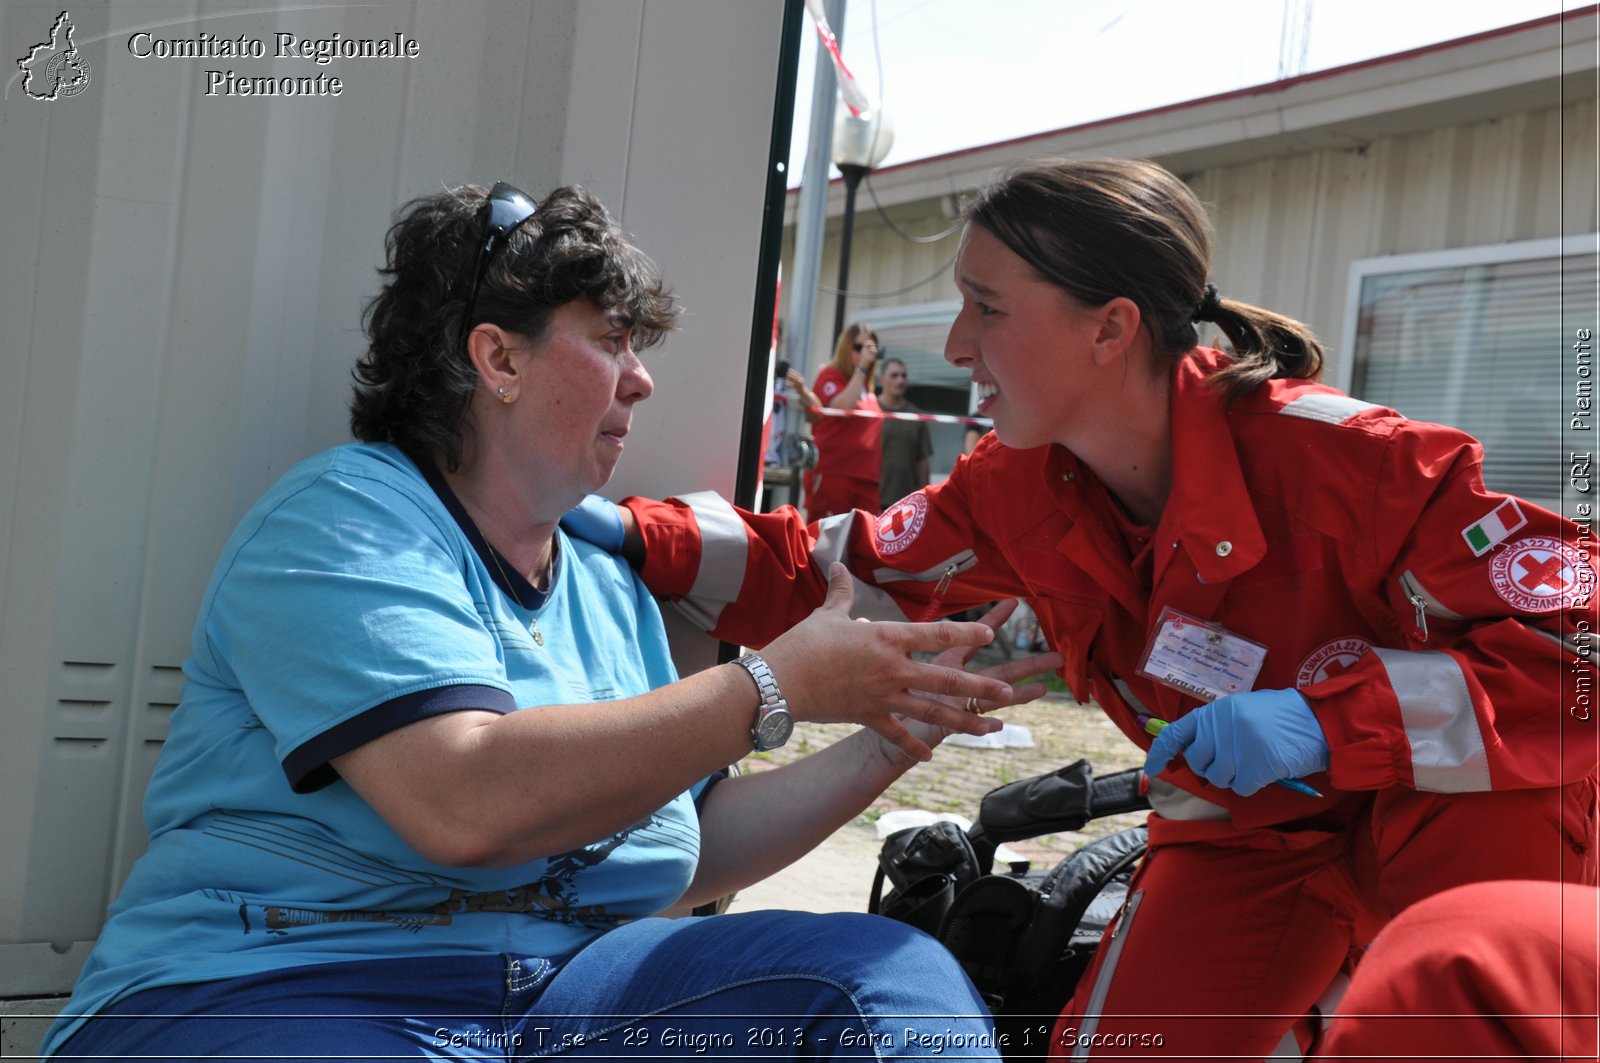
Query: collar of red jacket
[1209, 510]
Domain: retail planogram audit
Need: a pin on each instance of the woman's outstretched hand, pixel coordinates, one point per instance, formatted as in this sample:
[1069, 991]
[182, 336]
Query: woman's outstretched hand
[1009, 672]
[833, 669]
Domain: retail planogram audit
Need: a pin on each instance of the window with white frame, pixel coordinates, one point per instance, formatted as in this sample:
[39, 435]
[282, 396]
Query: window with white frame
[1478, 338]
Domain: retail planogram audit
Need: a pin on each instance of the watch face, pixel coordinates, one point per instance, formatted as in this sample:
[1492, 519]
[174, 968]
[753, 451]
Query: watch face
[774, 729]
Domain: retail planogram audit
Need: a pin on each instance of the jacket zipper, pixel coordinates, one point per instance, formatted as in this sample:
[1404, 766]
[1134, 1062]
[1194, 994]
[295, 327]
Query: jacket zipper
[931, 611]
[957, 564]
[1424, 604]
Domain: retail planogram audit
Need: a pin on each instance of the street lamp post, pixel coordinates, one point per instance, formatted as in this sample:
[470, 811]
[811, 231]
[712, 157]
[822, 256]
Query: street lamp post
[860, 142]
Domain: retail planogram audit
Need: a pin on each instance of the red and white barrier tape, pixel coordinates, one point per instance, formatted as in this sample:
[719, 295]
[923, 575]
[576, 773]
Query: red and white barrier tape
[893, 415]
[855, 97]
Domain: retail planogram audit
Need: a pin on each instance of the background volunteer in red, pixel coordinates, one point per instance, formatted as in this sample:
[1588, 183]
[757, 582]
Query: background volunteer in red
[849, 450]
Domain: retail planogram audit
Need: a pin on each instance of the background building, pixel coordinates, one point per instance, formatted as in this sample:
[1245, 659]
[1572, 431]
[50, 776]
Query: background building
[1431, 214]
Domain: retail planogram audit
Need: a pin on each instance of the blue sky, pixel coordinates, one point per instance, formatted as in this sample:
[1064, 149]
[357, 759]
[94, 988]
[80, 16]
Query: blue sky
[957, 73]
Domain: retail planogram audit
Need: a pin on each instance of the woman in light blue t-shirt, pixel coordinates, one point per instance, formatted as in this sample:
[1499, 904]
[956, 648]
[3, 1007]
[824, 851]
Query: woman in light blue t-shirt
[434, 774]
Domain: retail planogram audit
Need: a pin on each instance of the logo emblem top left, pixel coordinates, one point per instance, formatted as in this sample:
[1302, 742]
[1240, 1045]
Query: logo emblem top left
[55, 68]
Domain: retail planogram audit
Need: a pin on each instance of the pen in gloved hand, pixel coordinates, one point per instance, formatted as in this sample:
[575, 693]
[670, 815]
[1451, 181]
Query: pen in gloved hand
[1154, 726]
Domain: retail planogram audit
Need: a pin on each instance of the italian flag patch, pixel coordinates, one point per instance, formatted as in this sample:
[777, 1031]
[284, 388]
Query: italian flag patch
[1493, 528]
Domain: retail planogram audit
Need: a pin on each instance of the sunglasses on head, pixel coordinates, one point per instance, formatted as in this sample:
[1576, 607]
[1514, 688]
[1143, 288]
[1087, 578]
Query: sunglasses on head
[508, 208]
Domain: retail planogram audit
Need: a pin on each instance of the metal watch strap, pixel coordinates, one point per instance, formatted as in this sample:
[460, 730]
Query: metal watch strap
[773, 721]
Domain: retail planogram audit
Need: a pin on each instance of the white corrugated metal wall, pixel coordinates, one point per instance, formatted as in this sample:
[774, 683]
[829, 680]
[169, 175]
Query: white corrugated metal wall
[1289, 225]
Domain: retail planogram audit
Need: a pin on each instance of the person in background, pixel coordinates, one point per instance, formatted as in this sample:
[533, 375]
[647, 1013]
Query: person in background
[434, 775]
[907, 445]
[848, 451]
[788, 391]
[785, 446]
[1350, 651]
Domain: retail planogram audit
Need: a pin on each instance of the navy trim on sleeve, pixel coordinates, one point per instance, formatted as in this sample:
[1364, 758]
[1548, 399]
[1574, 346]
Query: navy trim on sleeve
[309, 766]
[710, 783]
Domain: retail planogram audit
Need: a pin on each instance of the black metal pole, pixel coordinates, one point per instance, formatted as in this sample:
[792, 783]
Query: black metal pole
[852, 178]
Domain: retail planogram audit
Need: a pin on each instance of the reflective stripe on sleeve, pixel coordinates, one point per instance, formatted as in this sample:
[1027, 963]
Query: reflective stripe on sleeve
[1447, 754]
[1329, 409]
[1571, 649]
[833, 544]
[724, 556]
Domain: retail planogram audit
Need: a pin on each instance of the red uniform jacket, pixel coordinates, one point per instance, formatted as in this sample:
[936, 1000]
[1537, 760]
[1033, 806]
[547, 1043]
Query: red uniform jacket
[847, 446]
[1439, 630]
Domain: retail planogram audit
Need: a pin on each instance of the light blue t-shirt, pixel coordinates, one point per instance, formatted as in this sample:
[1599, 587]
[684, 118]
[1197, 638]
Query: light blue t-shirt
[353, 599]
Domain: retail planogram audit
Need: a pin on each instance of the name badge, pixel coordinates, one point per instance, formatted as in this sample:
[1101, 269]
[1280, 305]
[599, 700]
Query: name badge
[1200, 658]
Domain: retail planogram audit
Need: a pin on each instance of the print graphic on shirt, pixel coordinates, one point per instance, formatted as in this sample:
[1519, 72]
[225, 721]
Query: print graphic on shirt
[279, 919]
[898, 525]
[1540, 575]
[554, 895]
[311, 849]
[1331, 659]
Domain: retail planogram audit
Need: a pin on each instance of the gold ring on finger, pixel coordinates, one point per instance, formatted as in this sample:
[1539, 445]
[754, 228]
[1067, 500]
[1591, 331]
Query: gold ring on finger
[972, 707]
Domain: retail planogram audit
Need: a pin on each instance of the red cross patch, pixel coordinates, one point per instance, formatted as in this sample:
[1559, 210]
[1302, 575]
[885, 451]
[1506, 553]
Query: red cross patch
[898, 525]
[1331, 659]
[1541, 575]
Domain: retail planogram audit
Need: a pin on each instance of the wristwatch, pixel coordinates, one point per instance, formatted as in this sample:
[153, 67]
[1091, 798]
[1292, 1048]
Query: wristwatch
[774, 723]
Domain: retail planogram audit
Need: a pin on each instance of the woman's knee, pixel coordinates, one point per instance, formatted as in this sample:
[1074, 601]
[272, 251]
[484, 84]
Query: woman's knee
[885, 944]
[843, 946]
[869, 972]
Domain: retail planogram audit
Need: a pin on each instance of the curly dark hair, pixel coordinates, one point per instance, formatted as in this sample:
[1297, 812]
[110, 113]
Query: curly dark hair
[413, 386]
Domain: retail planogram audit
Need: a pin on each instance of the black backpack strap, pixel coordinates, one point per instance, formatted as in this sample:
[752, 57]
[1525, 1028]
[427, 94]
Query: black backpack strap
[1044, 804]
[1066, 893]
[984, 928]
[1063, 800]
[1119, 792]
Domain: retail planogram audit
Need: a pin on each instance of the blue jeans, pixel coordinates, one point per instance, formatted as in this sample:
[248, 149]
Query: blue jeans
[761, 984]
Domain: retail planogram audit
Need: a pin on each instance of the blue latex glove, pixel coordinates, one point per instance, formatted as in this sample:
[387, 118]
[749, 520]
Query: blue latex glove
[1245, 741]
[595, 520]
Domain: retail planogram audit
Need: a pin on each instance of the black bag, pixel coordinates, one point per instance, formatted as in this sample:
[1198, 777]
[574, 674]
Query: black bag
[927, 866]
[1025, 939]
[1023, 936]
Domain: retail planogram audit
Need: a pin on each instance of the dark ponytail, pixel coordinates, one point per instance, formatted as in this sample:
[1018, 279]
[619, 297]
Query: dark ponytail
[1266, 345]
[1100, 229]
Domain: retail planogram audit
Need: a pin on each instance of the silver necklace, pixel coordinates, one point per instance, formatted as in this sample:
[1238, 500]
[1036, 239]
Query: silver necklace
[550, 579]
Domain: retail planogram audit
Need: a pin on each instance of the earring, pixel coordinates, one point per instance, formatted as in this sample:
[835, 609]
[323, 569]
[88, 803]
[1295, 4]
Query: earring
[505, 395]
